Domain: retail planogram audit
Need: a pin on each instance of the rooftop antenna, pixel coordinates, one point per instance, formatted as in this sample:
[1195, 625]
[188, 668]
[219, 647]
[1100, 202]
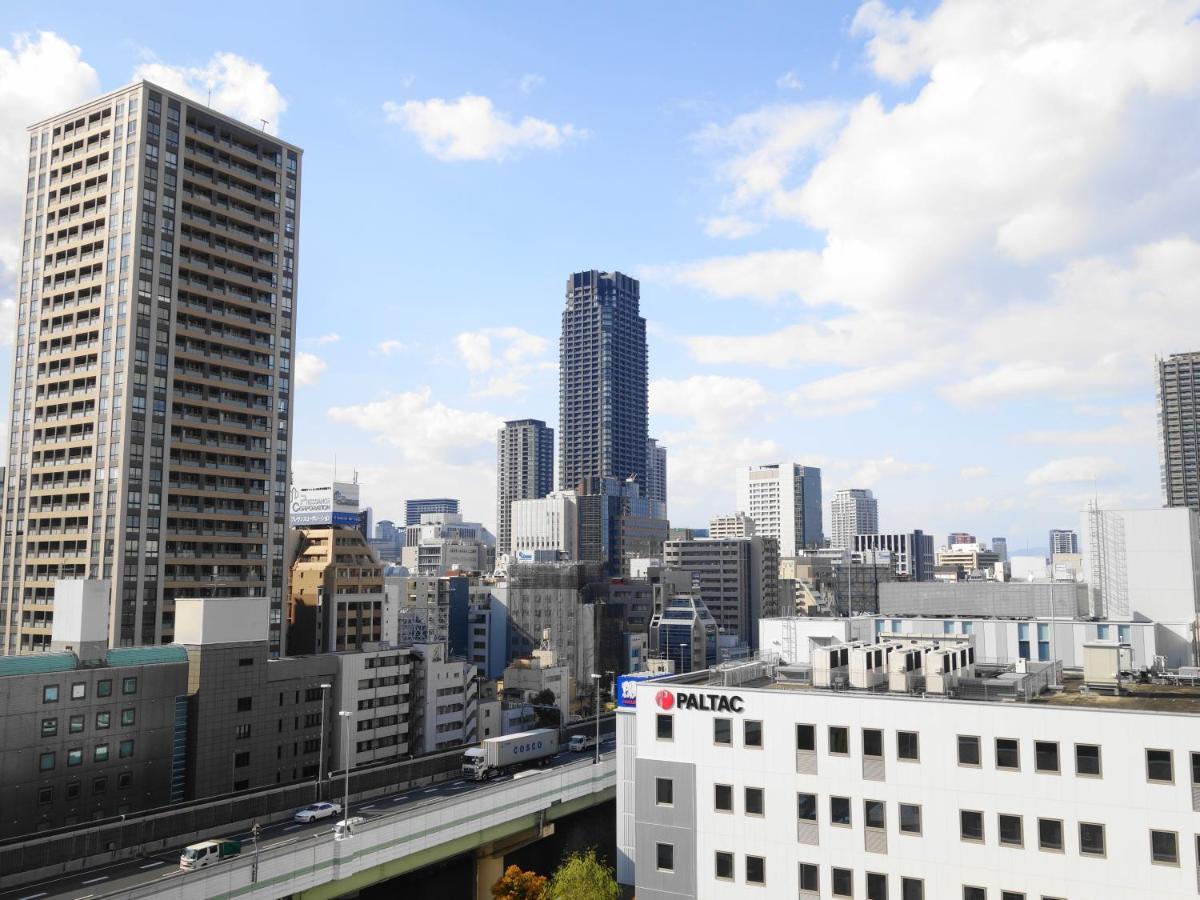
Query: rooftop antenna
[209, 103]
[265, 123]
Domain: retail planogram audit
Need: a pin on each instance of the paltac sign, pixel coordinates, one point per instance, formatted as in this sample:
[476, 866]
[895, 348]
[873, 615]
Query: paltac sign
[668, 700]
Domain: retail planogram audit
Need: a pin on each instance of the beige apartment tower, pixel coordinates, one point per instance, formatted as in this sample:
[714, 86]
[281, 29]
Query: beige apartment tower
[151, 426]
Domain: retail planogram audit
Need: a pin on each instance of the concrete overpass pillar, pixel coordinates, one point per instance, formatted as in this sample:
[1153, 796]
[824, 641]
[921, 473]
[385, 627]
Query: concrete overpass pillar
[488, 870]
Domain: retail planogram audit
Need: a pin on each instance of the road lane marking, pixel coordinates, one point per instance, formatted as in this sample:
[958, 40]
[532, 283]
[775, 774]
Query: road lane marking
[86, 897]
[372, 806]
[157, 862]
[95, 880]
[33, 896]
[293, 827]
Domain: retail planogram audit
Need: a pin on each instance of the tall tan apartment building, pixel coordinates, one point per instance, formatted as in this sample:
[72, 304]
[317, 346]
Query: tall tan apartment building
[152, 405]
[335, 593]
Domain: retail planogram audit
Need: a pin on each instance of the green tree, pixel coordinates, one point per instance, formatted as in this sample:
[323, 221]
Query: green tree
[517, 884]
[582, 876]
[547, 714]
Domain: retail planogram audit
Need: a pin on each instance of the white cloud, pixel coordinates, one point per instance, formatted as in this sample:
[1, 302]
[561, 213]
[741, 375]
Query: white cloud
[702, 474]
[869, 472]
[390, 346]
[858, 389]
[239, 87]
[1138, 427]
[331, 338]
[790, 81]
[309, 368]
[470, 128]
[714, 404]
[974, 207]
[531, 82]
[421, 429]
[1074, 470]
[506, 355]
[732, 227]
[974, 472]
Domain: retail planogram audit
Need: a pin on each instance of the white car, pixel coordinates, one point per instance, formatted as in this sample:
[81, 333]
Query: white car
[315, 811]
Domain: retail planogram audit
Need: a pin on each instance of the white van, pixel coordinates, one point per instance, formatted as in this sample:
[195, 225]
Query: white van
[205, 853]
[345, 827]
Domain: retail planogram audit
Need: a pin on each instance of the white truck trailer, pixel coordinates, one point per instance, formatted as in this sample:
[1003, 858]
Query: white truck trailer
[494, 755]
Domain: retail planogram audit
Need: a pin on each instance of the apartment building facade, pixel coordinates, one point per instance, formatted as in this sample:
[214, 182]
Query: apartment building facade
[784, 500]
[524, 470]
[150, 436]
[853, 511]
[1178, 394]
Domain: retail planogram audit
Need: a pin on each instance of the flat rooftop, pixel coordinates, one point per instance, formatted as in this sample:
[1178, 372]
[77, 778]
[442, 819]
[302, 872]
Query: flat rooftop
[999, 684]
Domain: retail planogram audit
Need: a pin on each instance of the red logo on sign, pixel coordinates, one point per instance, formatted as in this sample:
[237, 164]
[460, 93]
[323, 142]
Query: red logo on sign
[665, 699]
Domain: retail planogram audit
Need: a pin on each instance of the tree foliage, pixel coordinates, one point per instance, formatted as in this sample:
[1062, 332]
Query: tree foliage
[582, 876]
[517, 884]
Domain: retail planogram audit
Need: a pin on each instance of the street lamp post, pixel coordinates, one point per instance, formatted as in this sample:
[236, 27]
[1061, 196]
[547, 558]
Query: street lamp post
[321, 758]
[684, 646]
[596, 710]
[346, 715]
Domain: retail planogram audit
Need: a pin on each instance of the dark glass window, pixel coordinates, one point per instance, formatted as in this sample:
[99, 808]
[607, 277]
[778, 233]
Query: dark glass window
[839, 810]
[968, 750]
[1087, 759]
[754, 801]
[843, 882]
[1159, 766]
[970, 825]
[665, 857]
[723, 798]
[1011, 831]
[908, 745]
[806, 807]
[872, 742]
[1050, 834]
[752, 733]
[756, 870]
[806, 737]
[1008, 753]
[1045, 755]
[664, 791]
[1091, 839]
[839, 740]
[722, 732]
[666, 727]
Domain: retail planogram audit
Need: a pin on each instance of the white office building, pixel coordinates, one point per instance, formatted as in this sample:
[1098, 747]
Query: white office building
[785, 503]
[754, 781]
[548, 524]
[852, 511]
[738, 525]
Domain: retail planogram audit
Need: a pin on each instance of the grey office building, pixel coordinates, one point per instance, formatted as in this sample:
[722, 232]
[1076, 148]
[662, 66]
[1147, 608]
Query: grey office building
[656, 471]
[524, 470]
[1179, 429]
[602, 402]
[89, 736]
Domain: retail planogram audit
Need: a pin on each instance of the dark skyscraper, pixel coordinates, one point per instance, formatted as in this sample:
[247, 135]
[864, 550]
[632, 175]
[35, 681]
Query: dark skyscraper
[414, 509]
[602, 396]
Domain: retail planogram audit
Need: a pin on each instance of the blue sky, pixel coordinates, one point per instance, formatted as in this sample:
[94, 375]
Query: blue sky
[933, 250]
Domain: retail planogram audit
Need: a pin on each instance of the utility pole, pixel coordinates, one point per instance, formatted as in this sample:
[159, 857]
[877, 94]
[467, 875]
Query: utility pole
[321, 758]
[596, 710]
[255, 829]
[346, 716]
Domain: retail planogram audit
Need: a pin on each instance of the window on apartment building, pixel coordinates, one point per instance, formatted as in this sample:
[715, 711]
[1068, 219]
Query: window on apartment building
[100, 754]
[908, 745]
[129, 685]
[1087, 760]
[724, 865]
[839, 740]
[723, 797]
[754, 801]
[810, 879]
[722, 731]
[103, 720]
[78, 690]
[241, 760]
[1008, 754]
[910, 818]
[1045, 756]
[968, 750]
[99, 786]
[665, 726]
[877, 886]
[46, 762]
[128, 717]
[45, 795]
[1195, 757]
[104, 687]
[244, 704]
[1050, 834]
[1159, 767]
[875, 814]
[1164, 848]
[912, 889]
[974, 893]
[50, 693]
[74, 788]
[752, 733]
[842, 882]
[872, 742]
[665, 857]
[1011, 830]
[49, 727]
[756, 870]
[970, 825]
[241, 732]
[75, 757]
[1011, 895]
[839, 810]
[664, 791]
[806, 808]
[75, 724]
[1091, 839]
[806, 737]
[125, 779]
